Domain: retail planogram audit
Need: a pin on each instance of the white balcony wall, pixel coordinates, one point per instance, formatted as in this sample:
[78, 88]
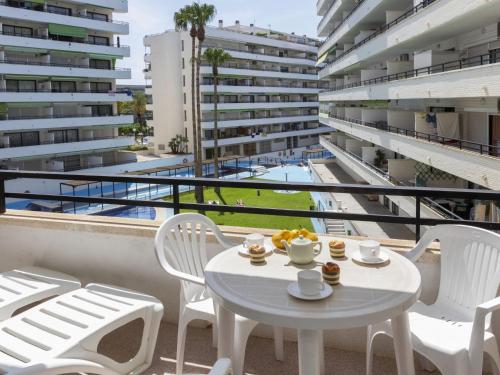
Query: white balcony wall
[353, 113]
[401, 119]
[65, 148]
[258, 90]
[264, 105]
[363, 34]
[56, 71]
[212, 32]
[368, 154]
[480, 169]
[47, 44]
[476, 127]
[277, 59]
[206, 70]
[374, 115]
[430, 58]
[402, 170]
[391, 15]
[372, 73]
[353, 146]
[394, 67]
[350, 79]
[475, 82]
[261, 121]
[45, 17]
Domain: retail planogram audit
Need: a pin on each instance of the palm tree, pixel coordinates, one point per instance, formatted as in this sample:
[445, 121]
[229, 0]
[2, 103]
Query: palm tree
[203, 13]
[183, 19]
[216, 57]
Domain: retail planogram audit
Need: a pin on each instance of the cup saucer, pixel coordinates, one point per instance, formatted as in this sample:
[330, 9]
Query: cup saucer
[383, 257]
[294, 290]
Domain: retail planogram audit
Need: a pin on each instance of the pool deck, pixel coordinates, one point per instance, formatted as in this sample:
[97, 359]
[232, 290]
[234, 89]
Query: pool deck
[331, 173]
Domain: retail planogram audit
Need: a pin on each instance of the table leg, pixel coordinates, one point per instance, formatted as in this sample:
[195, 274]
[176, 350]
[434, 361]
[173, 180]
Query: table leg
[309, 352]
[225, 326]
[402, 344]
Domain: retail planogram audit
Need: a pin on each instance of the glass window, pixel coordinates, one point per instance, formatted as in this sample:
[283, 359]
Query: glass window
[59, 10]
[17, 30]
[20, 86]
[100, 64]
[99, 40]
[97, 16]
[65, 136]
[101, 87]
[102, 110]
[63, 86]
[23, 139]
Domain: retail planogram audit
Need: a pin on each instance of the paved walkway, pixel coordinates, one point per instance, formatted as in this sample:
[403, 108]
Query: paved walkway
[357, 203]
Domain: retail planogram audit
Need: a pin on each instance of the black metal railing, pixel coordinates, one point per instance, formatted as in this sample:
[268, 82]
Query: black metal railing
[5, 117]
[55, 91]
[346, 18]
[461, 144]
[255, 52]
[439, 209]
[176, 204]
[50, 38]
[469, 62]
[57, 142]
[29, 5]
[231, 65]
[382, 29]
[60, 65]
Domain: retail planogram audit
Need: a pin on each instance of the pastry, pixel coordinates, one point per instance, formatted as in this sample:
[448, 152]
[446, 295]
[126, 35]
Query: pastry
[331, 273]
[337, 249]
[257, 254]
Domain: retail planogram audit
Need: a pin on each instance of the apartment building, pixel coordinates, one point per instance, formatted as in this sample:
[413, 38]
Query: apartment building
[414, 95]
[268, 93]
[58, 96]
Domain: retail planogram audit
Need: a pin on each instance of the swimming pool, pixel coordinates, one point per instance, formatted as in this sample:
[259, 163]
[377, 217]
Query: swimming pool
[144, 213]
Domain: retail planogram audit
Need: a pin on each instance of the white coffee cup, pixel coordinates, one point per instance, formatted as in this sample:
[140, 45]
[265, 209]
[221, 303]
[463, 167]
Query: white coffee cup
[254, 239]
[369, 250]
[310, 282]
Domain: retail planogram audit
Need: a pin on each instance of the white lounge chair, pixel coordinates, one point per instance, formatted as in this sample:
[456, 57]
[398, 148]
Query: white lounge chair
[183, 254]
[455, 331]
[25, 286]
[63, 334]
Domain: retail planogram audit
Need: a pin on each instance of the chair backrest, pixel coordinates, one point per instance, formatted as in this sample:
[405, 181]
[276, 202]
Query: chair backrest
[181, 248]
[470, 267]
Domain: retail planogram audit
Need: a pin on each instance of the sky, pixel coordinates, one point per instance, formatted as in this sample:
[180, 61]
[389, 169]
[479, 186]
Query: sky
[155, 16]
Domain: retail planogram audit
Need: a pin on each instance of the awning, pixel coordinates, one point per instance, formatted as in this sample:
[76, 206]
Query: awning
[322, 59]
[72, 31]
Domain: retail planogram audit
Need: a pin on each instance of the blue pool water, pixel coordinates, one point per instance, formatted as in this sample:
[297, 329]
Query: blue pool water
[145, 213]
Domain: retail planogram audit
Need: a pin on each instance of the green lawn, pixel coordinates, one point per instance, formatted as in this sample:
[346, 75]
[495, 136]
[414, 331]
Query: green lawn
[267, 198]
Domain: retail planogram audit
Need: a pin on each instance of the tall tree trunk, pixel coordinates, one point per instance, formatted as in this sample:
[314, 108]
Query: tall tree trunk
[198, 191]
[199, 163]
[216, 133]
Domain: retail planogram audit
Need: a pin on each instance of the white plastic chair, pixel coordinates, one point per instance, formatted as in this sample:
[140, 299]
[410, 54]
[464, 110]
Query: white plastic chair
[182, 252]
[62, 335]
[455, 330]
[25, 286]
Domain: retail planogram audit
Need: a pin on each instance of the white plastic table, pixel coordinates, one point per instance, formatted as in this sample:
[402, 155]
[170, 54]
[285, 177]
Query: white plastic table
[367, 294]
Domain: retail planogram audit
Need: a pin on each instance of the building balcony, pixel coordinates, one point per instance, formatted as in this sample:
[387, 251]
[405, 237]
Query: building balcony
[333, 18]
[472, 77]
[18, 67]
[465, 159]
[224, 123]
[265, 137]
[413, 30]
[44, 96]
[230, 89]
[322, 6]
[110, 250]
[257, 56]
[39, 14]
[59, 149]
[252, 72]
[359, 165]
[256, 105]
[279, 42]
[119, 6]
[63, 122]
[43, 42]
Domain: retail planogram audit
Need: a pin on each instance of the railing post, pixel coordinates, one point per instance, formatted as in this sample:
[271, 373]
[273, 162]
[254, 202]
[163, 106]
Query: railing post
[3, 205]
[417, 219]
[176, 199]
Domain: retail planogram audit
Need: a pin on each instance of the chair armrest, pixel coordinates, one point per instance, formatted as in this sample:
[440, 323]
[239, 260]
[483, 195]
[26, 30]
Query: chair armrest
[488, 307]
[221, 367]
[187, 277]
[477, 334]
[429, 236]
[65, 366]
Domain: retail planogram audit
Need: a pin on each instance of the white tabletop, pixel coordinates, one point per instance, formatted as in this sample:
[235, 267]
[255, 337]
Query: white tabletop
[367, 294]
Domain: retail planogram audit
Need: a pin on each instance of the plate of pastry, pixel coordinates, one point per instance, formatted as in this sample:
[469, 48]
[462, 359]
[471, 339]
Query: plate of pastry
[245, 250]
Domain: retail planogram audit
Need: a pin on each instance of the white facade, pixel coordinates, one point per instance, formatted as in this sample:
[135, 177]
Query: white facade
[417, 81]
[58, 96]
[268, 92]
